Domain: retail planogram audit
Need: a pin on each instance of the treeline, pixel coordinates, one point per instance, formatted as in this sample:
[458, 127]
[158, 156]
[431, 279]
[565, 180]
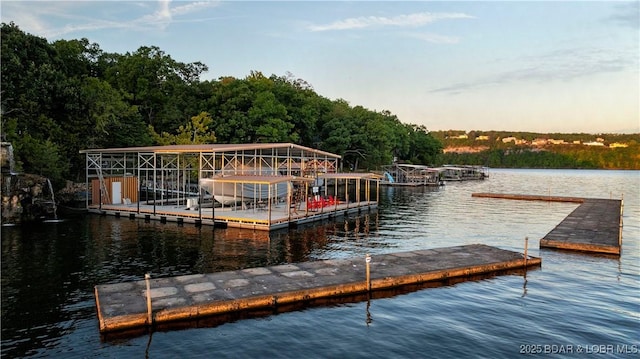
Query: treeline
[451, 138]
[497, 153]
[523, 158]
[61, 97]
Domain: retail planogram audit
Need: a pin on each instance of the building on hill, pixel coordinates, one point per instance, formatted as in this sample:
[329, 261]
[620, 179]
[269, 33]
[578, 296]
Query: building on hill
[556, 142]
[514, 140]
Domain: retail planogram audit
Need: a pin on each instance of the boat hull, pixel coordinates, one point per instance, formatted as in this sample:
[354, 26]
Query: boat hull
[230, 193]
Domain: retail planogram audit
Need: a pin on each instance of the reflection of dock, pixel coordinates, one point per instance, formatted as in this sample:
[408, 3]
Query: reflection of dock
[595, 226]
[124, 305]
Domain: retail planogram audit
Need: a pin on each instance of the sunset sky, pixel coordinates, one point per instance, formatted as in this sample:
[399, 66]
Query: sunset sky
[539, 66]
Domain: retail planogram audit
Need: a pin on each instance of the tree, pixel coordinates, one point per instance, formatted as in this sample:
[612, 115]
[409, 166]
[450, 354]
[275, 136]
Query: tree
[270, 120]
[423, 148]
[44, 158]
[159, 86]
[197, 131]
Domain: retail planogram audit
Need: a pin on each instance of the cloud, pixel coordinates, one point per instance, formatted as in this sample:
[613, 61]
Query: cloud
[560, 65]
[411, 20]
[43, 19]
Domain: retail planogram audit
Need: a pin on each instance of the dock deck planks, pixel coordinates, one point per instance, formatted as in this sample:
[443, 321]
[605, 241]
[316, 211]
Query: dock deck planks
[594, 226]
[123, 306]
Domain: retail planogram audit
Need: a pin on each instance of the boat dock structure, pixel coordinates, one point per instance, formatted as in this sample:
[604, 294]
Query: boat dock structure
[264, 186]
[463, 173]
[152, 302]
[411, 175]
[595, 226]
[402, 174]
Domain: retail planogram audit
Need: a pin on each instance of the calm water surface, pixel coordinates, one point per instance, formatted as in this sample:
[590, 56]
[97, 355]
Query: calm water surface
[574, 302]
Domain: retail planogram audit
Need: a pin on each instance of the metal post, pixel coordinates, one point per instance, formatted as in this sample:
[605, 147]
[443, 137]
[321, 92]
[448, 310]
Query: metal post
[621, 220]
[147, 276]
[526, 247]
[368, 261]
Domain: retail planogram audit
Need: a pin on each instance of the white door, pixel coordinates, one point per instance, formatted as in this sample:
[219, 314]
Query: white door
[116, 192]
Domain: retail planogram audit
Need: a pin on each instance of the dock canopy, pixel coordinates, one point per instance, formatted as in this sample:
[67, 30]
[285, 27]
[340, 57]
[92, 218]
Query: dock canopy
[257, 185]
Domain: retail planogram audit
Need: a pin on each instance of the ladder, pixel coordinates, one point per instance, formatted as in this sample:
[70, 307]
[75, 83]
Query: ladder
[103, 188]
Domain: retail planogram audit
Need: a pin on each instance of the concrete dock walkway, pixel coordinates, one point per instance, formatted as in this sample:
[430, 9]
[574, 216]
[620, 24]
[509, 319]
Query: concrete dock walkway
[124, 306]
[594, 226]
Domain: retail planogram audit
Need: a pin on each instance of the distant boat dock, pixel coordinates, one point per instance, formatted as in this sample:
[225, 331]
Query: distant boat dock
[595, 226]
[401, 174]
[140, 304]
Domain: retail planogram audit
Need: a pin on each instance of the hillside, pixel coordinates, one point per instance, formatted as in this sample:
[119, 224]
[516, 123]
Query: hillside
[540, 150]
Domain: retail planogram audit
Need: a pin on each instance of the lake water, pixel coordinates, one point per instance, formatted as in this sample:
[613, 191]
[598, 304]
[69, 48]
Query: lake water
[576, 303]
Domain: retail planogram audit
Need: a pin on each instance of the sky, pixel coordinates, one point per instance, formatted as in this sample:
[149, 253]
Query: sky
[536, 66]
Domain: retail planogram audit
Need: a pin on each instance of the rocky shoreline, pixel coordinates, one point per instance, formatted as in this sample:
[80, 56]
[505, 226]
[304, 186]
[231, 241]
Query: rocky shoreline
[28, 198]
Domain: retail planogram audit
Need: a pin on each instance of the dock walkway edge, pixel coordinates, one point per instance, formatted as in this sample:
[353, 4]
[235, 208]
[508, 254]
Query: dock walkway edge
[595, 226]
[122, 306]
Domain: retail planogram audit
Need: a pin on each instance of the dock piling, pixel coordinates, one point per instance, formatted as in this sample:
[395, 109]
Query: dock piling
[368, 261]
[621, 220]
[526, 247]
[147, 277]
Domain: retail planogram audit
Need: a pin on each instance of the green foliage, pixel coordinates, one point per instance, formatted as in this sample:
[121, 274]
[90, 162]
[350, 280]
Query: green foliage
[45, 158]
[197, 131]
[422, 147]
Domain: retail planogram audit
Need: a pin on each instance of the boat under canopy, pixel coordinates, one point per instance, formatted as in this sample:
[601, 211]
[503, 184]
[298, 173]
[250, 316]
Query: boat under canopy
[233, 189]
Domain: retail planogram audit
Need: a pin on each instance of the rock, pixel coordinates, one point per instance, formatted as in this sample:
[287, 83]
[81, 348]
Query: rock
[26, 198]
[72, 195]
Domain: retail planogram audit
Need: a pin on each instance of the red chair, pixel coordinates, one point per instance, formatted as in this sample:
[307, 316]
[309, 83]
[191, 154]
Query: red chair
[312, 204]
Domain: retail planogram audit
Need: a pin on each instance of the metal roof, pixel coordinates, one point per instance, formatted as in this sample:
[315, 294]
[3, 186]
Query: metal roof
[281, 149]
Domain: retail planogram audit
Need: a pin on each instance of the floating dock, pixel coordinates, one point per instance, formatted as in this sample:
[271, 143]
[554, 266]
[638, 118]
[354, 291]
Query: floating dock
[594, 226]
[268, 218]
[126, 306]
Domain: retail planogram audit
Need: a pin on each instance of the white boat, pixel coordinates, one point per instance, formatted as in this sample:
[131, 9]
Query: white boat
[228, 190]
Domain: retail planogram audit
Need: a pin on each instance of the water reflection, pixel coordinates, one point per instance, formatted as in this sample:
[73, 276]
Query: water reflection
[39, 277]
[107, 249]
